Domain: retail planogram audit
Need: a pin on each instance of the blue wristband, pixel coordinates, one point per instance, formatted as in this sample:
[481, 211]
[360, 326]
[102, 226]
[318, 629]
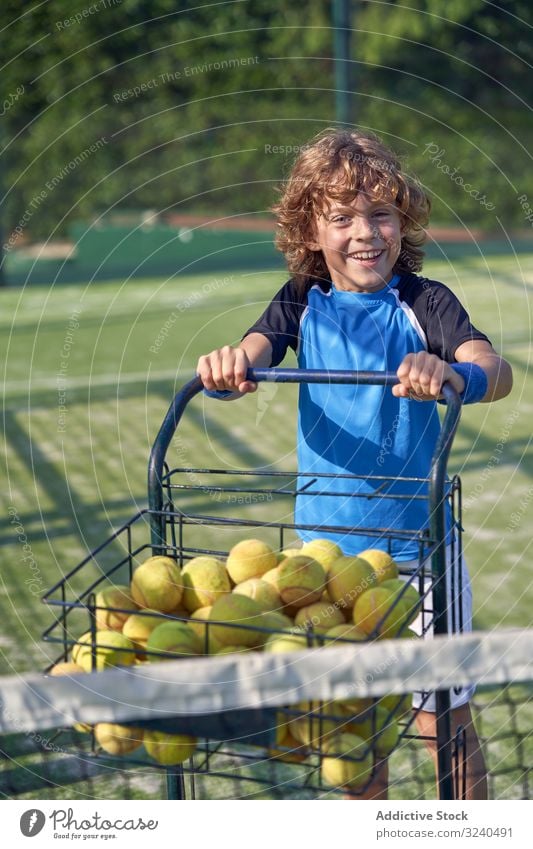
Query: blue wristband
[218, 393]
[475, 379]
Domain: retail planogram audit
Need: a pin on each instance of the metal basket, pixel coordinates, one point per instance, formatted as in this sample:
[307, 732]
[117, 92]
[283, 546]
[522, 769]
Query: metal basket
[244, 746]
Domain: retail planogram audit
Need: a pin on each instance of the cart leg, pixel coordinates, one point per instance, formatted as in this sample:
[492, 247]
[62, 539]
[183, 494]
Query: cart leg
[175, 783]
[444, 745]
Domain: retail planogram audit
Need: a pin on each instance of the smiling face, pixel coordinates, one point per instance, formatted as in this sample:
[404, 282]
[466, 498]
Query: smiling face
[360, 242]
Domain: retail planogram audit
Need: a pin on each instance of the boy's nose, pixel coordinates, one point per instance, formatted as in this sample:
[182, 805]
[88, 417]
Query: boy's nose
[363, 229]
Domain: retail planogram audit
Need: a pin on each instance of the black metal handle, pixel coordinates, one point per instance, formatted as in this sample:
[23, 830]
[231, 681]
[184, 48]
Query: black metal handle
[290, 375]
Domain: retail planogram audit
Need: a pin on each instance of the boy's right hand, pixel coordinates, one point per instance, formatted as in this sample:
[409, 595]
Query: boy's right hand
[225, 369]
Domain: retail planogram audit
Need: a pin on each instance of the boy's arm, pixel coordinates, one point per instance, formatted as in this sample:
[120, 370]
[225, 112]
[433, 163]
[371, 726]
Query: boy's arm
[423, 374]
[224, 369]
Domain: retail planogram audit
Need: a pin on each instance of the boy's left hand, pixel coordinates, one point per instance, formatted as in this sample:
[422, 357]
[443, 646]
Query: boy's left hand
[421, 376]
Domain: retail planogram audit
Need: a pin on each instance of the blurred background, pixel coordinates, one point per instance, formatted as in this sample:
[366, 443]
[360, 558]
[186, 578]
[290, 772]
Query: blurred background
[142, 144]
[121, 115]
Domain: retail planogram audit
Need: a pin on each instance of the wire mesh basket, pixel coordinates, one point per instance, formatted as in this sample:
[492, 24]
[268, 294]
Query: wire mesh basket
[299, 747]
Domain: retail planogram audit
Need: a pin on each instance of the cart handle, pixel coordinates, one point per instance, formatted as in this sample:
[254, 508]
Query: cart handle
[278, 375]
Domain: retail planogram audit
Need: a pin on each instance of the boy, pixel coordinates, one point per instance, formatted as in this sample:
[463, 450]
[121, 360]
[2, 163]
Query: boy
[351, 229]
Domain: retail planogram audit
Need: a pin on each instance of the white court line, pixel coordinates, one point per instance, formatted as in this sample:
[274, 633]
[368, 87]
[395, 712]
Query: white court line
[95, 380]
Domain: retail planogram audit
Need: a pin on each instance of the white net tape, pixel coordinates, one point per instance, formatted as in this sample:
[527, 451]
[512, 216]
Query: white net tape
[205, 685]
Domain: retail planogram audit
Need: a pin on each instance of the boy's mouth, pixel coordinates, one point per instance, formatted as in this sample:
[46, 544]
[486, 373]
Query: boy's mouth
[366, 257]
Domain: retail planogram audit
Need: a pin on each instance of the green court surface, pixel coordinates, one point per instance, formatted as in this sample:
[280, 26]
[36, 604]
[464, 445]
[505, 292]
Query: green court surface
[90, 372]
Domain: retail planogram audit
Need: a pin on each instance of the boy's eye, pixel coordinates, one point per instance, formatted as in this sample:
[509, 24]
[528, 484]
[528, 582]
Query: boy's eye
[340, 219]
[381, 213]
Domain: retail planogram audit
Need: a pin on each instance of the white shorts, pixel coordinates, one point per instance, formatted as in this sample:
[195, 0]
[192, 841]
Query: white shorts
[459, 618]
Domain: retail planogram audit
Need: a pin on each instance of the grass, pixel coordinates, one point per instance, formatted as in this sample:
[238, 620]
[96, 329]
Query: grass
[75, 474]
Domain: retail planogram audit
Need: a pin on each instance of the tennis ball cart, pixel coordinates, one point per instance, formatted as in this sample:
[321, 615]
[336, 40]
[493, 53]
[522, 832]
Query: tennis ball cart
[296, 724]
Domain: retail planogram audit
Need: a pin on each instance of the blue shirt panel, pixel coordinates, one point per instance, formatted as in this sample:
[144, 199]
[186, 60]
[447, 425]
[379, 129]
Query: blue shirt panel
[362, 430]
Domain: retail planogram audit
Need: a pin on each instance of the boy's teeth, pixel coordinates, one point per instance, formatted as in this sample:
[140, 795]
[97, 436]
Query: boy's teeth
[366, 255]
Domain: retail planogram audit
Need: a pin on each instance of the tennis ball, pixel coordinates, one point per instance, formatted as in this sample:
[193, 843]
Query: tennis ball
[348, 763]
[204, 580]
[168, 749]
[250, 558]
[66, 667]
[113, 596]
[157, 584]
[118, 739]
[379, 730]
[348, 578]
[345, 632]
[409, 598]
[139, 626]
[288, 552]
[70, 668]
[319, 617]
[260, 591]
[375, 614]
[301, 580]
[318, 722]
[232, 649]
[274, 621]
[111, 649]
[279, 643]
[238, 610]
[286, 748]
[324, 551]
[197, 622]
[271, 577]
[174, 639]
[382, 563]
[396, 706]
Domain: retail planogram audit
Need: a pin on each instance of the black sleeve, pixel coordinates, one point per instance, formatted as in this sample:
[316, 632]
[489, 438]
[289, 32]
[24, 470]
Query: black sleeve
[442, 316]
[280, 322]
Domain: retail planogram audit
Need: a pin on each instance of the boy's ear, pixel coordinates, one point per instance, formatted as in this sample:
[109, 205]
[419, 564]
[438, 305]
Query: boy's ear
[312, 245]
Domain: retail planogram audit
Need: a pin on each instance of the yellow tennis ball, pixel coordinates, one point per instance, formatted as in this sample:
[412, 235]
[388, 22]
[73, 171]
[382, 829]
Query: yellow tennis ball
[111, 649]
[286, 748]
[157, 584]
[271, 577]
[261, 591]
[169, 749]
[408, 597]
[376, 612]
[279, 643]
[397, 705]
[250, 558]
[173, 639]
[319, 617]
[69, 668]
[348, 578]
[348, 762]
[325, 551]
[204, 580]
[382, 563]
[288, 552]
[66, 667]
[139, 626]
[198, 622]
[113, 596]
[118, 739]
[236, 610]
[318, 722]
[301, 580]
[232, 649]
[274, 622]
[379, 730]
[338, 633]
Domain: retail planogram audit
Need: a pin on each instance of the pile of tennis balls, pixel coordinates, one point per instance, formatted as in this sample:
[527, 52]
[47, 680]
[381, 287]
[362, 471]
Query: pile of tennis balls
[258, 599]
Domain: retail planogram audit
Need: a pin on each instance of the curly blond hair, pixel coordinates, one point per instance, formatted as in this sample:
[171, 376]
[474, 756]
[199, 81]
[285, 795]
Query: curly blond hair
[337, 165]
